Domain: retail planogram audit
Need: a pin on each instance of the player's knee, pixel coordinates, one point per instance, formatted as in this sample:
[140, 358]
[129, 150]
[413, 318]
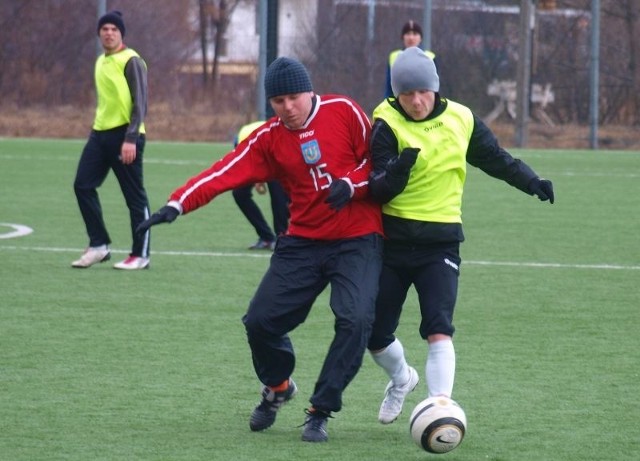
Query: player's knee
[250, 323]
[379, 342]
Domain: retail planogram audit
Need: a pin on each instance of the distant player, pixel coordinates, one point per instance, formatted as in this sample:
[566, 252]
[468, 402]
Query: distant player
[411, 35]
[243, 197]
[116, 143]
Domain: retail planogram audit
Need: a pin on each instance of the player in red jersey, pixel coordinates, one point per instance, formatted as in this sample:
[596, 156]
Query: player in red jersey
[317, 148]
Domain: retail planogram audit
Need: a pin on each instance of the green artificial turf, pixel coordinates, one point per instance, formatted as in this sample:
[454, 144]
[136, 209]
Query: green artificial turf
[101, 364]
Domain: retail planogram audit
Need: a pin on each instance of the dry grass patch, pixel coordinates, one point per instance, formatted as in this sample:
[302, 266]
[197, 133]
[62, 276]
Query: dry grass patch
[205, 123]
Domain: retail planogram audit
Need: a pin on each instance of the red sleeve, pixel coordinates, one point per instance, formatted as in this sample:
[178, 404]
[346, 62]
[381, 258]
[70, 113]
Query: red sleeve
[245, 164]
[361, 131]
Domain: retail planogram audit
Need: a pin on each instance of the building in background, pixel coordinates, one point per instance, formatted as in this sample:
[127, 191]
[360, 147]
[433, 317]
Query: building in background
[296, 19]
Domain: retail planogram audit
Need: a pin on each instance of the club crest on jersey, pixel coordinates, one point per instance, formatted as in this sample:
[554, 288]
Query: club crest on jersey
[311, 152]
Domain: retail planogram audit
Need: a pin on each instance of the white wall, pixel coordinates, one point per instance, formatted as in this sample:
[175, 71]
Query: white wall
[296, 24]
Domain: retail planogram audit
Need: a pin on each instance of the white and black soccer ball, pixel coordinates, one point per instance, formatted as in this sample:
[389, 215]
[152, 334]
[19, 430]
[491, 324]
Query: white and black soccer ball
[438, 424]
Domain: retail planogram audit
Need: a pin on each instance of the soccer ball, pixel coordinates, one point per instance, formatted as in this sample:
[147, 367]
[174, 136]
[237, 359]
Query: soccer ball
[437, 424]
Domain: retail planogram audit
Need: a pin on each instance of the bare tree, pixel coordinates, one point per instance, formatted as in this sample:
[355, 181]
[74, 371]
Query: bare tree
[215, 16]
[47, 52]
[204, 7]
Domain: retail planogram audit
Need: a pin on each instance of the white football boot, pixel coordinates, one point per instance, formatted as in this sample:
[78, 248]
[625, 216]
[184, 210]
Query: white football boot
[394, 398]
[91, 256]
[133, 263]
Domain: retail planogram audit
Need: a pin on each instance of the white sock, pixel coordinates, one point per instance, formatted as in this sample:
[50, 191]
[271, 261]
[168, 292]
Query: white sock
[440, 368]
[100, 247]
[393, 362]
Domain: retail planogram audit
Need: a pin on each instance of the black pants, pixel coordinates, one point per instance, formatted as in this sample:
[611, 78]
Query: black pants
[434, 272]
[279, 210]
[300, 270]
[99, 156]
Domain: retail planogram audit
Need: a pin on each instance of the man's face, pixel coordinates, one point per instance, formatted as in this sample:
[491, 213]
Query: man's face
[111, 38]
[418, 104]
[293, 109]
[411, 38]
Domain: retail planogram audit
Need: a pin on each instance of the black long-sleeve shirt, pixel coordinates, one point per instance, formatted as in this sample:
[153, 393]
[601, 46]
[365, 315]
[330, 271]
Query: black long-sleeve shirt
[483, 151]
[136, 74]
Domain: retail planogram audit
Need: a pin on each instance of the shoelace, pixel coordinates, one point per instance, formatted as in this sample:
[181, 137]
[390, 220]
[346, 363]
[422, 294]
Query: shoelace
[315, 418]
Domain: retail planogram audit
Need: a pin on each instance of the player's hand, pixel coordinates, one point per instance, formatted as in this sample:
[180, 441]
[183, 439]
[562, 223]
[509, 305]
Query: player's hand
[543, 188]
[340, 194]
[403, 163]
[261, 188]
[165, 214]
[128, 153]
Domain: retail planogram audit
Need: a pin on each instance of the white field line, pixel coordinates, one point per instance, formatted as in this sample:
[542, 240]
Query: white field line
[75, 159]
[248, 254]
[207, 162]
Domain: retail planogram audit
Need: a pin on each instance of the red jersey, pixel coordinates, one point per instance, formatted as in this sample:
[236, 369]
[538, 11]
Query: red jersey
[332, 144]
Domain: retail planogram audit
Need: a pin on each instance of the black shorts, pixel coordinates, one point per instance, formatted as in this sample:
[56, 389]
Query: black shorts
[434, 271]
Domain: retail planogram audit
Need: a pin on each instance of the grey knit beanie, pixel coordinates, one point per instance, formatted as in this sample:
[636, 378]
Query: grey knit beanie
[414, 70]
[286, 76]
[113, 17]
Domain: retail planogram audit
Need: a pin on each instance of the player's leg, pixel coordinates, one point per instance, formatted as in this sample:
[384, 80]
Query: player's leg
[279, 207]
[91, 173]
[437, 287]
[353, 266]
[281, 303]
[387, 350]
[243, 197]
[131, 180]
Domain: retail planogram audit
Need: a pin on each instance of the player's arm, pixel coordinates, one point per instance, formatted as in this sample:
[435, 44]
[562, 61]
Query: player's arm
[388, 91]
[136, 74]
[485, 152]
[242, 166]
[245, 165]
[390, 171]
[360, 130]
[354, 184]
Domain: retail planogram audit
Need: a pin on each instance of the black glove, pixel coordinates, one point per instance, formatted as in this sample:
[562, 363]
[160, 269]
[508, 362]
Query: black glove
[165, 214]
[403, 163]
[543, 188]
[339, 194]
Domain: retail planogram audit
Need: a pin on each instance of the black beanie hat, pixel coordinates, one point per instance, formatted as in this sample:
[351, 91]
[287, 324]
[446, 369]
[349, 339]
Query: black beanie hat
[113, 17]
[411, 26]
[286, 76]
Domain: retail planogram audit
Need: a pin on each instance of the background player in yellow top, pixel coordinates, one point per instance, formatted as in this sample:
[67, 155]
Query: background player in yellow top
[243, 197]
[116, 143]
[411, 36]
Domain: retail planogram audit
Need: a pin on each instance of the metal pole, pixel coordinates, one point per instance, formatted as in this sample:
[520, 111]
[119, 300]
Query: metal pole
[101, 10]
[371, 20]
[594, 70]
[527, 20]
[268, 23]
[272, 43]
[261, 103]
[426, 25]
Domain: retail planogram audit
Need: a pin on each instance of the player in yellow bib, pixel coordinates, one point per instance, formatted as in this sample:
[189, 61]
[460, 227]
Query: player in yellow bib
[420, 146]
[116, 143]
[411, 36]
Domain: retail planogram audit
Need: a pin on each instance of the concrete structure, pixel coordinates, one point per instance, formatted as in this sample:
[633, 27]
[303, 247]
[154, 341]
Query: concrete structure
[296, 22]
